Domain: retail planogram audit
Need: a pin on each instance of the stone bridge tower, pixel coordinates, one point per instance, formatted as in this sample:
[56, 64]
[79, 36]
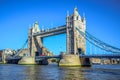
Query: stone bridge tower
[76, 44]
[34, 43]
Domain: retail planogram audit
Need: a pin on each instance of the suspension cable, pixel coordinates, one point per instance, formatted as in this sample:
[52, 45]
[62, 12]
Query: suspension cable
[21, 49]
[98, 43]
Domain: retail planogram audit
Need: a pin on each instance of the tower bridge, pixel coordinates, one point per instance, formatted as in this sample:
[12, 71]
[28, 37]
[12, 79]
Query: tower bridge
[76, 37]
[76, 43]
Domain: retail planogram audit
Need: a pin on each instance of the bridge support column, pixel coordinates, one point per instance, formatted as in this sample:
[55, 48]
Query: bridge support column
[27, 60]
[72, 60]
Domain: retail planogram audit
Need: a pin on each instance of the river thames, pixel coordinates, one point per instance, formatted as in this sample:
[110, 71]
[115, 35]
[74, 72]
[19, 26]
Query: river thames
[53, 72]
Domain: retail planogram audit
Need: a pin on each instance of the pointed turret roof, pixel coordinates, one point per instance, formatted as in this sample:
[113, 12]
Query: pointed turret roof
[76, 11]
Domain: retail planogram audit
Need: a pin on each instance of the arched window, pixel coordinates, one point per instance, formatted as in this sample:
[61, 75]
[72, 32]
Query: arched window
[77, 17]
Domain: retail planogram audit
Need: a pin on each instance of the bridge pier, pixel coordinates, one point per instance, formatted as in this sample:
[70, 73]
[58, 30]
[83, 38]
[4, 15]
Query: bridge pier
[27, 60]
[73, 60]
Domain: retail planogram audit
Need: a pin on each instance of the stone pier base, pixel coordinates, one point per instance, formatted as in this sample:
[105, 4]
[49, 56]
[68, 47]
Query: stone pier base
[27, 60]
[71, 60]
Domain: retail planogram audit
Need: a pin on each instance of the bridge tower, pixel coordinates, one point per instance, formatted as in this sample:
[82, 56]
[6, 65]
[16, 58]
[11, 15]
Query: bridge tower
[76, 43]
[34, 43]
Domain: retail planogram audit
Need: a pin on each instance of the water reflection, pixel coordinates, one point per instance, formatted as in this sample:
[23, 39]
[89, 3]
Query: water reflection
[53, 72]
[72, 73]
[38, 72]
[31, 72]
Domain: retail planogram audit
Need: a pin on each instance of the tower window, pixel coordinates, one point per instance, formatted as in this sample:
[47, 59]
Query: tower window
[77, 17]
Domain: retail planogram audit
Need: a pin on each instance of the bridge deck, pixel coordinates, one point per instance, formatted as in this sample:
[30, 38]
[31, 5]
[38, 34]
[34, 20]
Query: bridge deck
[100, 56]
[38, 58]
[50, 32]
[82, 56]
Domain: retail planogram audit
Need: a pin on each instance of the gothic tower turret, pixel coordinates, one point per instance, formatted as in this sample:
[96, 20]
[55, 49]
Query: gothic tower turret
[75, 41]
[35, 43]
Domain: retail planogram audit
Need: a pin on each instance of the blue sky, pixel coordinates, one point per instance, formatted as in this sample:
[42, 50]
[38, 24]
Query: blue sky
[103, 20]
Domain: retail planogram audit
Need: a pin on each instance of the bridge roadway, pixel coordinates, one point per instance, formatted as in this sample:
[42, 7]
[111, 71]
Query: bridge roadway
[51, 32]
[39, 58]
[101, 56]
[13, 60]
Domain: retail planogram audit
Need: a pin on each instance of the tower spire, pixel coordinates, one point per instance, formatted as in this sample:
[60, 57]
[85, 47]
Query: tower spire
[42, 28]
[76, 11]
[67, 13]
[75, 8]
[83, 14]
[84, 19]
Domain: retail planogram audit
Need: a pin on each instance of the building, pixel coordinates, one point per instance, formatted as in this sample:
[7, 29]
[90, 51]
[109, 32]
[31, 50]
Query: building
[5, 53]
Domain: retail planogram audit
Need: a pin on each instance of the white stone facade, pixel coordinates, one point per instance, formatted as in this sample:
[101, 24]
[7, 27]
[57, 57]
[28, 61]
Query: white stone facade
[75, 42]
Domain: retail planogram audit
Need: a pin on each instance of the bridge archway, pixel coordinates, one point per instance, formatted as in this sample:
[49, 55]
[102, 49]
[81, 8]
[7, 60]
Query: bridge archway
[55, 44]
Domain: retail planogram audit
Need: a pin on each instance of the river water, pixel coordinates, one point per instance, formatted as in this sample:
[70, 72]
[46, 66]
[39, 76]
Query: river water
[53, 72]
